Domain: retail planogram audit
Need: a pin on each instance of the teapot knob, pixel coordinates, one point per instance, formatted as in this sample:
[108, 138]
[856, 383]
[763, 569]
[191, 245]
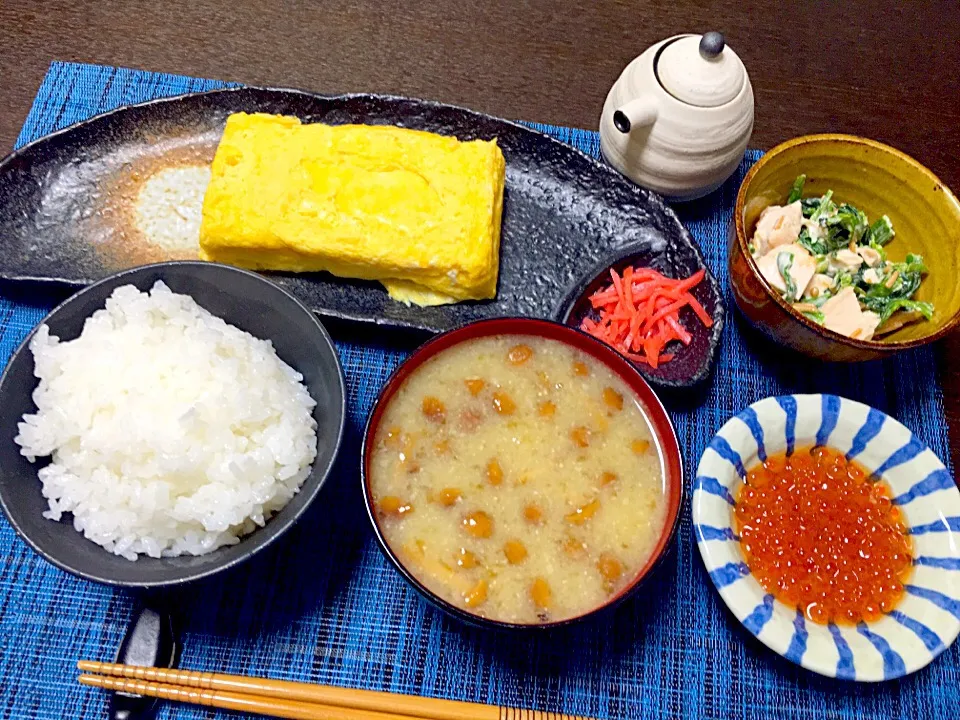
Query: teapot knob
[712, 44]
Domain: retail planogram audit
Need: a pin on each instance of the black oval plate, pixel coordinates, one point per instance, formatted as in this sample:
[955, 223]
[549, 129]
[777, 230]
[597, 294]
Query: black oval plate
[67, 202]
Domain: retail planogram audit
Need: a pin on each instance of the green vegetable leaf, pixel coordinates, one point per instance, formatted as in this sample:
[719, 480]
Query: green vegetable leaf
[851, 219]
[815, 247]
[909, 276]
[885, 300]
[816, 316]
[836, 238]
[880, 232]
[826, 206]
[784, 263]
[912, 264]
[809, 206]
[843, 279]
[821, 299]
[879, 292]
[924, 308]
[797, 190]
[837, 224]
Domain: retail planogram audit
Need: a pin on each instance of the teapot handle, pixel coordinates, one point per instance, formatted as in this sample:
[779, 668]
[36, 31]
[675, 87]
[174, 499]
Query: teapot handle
[636, 113]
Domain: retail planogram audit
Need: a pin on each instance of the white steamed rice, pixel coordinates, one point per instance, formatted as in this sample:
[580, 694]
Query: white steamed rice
[171, 432]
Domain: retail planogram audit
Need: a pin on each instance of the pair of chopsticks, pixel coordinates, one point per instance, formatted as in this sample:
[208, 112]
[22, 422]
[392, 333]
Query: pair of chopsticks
[286, 699]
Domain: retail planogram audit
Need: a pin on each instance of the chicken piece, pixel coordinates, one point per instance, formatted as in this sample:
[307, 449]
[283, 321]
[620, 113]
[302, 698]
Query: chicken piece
[871, 276]
[819, 284]
[871, 321]
[778, 225]
[845, 260]
[870, 256]
[802, 269]
[842, 314]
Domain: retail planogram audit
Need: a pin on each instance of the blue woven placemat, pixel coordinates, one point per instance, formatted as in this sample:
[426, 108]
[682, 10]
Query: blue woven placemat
[324, 606]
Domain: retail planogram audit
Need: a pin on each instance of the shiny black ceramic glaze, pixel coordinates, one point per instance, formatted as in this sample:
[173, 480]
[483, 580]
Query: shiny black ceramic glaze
[563, 211]
[241, 298]
[151, 641]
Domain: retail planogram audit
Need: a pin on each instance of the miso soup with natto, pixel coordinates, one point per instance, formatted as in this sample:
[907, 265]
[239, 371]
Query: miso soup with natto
[518, 479]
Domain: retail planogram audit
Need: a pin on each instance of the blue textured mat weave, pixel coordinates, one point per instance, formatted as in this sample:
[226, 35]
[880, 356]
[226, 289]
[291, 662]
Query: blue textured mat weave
[323, 605]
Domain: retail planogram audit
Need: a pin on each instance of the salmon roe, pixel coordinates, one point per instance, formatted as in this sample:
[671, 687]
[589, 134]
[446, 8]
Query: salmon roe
[820, 535]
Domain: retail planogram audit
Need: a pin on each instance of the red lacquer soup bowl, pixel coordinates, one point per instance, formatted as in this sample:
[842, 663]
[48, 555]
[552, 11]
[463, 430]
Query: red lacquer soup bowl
[662, 429]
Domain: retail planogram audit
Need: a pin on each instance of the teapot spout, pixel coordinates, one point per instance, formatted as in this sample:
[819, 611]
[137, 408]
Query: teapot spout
[636, 113]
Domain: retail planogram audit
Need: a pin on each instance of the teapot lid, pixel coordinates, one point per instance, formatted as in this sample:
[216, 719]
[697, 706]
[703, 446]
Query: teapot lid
[701, 71]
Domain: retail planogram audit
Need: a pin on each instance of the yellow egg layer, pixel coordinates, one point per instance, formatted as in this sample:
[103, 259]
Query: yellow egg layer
[418, 211]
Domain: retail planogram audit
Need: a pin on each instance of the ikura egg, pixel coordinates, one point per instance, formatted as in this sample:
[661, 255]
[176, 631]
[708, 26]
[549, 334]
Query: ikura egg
[821, 535]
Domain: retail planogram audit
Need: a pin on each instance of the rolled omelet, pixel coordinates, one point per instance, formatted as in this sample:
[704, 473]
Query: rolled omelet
[417, 211]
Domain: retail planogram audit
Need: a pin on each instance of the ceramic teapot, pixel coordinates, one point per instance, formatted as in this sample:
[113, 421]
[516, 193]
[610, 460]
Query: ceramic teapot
[678, 119]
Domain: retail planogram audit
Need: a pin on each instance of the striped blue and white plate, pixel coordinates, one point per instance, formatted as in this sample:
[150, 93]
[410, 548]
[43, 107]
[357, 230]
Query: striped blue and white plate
[924, 623]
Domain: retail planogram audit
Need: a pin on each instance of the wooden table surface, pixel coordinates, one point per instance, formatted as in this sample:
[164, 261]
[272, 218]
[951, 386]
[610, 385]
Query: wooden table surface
[888, 71]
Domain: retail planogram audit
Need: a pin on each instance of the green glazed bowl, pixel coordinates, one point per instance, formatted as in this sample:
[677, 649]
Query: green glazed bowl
[879, 180]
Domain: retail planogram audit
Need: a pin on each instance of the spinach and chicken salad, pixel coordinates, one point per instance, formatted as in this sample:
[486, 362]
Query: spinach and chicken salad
[830, 262]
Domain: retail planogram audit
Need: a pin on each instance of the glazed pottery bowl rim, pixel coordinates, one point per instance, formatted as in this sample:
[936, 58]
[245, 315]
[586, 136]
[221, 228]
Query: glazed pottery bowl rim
[659, 420]
[258, 539]
[881, 346]
[875, 441]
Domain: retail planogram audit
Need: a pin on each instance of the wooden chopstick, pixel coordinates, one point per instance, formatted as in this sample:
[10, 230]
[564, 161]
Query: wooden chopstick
[283, 698]
[275, 707]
